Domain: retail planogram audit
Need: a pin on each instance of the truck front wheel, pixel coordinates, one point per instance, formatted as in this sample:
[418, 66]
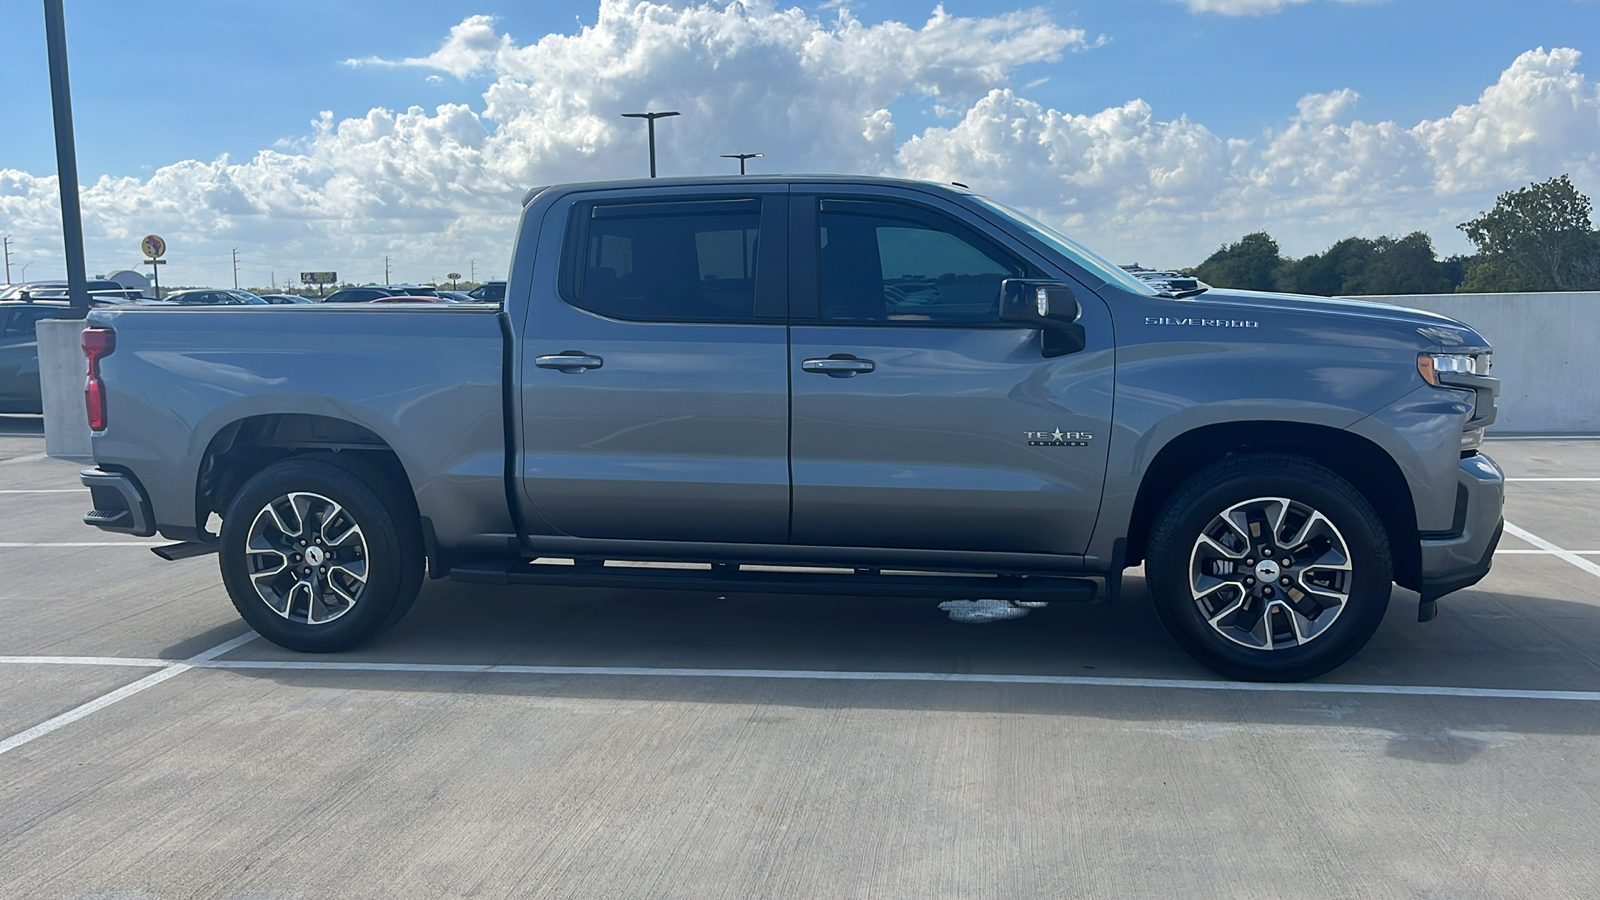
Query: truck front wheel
[1268, 567]
[318, 555]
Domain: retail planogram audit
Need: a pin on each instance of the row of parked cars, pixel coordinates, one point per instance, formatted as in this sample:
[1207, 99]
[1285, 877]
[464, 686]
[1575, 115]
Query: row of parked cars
[22, 306]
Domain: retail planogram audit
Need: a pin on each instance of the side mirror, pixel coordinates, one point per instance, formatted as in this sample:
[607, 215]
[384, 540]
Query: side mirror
[1048, 306]
[1039, 304]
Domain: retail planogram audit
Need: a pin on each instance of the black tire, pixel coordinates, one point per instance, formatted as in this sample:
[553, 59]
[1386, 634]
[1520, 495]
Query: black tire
[1176, 554]
[386, 547]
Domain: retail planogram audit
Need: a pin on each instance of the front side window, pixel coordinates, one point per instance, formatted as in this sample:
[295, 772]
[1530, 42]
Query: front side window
[877, 263]
[668, 262]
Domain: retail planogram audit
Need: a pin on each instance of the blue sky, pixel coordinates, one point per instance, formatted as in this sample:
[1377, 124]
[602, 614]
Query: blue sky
[204, 79]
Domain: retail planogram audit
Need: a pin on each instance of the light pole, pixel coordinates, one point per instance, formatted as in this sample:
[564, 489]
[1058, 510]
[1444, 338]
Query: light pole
[55, 39]
[741, 157]
[651, 118]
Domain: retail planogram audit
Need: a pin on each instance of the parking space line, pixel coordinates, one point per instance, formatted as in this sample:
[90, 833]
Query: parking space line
[78, 490]
[22, 459]
[1498, 552]
[1585, 478]
[1542, 544]
[134, 661]
[170, 670]
[207, 661]
[13, 545]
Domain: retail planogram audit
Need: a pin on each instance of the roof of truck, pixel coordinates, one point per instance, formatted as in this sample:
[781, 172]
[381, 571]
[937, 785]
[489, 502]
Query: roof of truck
[953, 187]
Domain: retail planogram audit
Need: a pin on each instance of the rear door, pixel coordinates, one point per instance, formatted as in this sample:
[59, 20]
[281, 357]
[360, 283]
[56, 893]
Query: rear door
[654, 388]
[920, 420]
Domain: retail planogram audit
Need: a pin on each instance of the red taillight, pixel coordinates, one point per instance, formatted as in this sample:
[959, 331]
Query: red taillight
[98, 343]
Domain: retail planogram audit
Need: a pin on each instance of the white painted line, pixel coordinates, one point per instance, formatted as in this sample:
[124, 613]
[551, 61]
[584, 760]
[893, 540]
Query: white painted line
[134, 661]
[12, 545]
[1554, 479]
[207, 660]
[1498, 552]
[1544, 437]
[171, 670]
[1542, 544]
[80, 490]
[22, 459]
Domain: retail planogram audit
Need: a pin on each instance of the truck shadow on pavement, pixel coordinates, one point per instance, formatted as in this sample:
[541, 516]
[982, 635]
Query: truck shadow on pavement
[475, 625]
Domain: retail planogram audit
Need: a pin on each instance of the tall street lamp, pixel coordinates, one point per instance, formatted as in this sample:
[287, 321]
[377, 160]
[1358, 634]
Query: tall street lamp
[651, 118]
[55, 39]
[741, 157]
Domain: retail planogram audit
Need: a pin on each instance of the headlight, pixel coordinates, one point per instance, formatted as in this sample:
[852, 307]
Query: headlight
[1432, 365]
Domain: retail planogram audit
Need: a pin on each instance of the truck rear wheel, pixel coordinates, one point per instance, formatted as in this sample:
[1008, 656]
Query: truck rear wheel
[1268, 567]
[318, 555]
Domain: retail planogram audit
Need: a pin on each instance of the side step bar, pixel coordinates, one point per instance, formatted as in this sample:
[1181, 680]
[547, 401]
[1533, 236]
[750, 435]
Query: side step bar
[730, 578]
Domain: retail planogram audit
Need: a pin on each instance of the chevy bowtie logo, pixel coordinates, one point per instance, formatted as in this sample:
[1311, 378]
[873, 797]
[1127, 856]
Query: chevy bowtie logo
[1058, 438]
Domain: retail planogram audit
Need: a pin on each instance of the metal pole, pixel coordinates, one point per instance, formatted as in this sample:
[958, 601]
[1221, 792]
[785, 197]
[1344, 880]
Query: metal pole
[55, 30]
[652, 147]
[8, 258]
[650, 118]
[741, 157]
[236, 268]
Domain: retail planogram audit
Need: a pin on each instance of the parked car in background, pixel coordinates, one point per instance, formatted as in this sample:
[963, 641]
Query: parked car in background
[1175, 283]
[19, 348]
[213, 298]
[285, 299]
[491, 291]
[99, 289]
[412, 290]
[408, 298]
[457, 296]
[358, 294]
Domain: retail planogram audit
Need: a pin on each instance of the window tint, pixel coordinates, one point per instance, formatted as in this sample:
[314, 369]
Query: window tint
[24, 322]
[877, 265]
[673, 261]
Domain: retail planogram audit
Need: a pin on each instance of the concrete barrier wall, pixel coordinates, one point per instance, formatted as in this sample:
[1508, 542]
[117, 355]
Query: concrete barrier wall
[61, 372]
[1546, 354]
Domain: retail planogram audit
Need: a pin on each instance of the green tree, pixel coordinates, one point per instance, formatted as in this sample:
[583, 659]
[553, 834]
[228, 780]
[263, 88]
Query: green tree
[1327, 273]
[1405, 265]
[1252, 263]
[1537, 238]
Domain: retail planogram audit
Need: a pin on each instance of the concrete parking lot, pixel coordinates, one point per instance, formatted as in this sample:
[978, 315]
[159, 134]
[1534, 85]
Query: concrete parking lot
[581, 743]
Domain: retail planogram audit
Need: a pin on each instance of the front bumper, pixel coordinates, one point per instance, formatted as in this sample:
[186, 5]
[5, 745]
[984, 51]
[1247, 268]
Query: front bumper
[1462, 556]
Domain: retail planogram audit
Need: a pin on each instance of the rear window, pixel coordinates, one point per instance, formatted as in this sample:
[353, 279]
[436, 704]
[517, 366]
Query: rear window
[675, 261]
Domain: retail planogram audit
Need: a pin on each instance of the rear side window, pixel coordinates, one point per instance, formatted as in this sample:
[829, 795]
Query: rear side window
[680, 261]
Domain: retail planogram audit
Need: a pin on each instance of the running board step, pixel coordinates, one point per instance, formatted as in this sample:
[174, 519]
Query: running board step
[727, 578]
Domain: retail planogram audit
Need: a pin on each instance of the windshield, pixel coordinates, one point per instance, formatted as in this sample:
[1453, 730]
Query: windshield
[1070, 249]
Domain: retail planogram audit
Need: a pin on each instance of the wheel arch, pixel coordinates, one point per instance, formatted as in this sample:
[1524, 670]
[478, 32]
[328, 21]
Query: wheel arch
[1356, 459]
[247, 445]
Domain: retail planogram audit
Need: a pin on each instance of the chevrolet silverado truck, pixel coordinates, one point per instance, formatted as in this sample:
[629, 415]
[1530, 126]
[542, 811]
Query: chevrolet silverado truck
[852, 386]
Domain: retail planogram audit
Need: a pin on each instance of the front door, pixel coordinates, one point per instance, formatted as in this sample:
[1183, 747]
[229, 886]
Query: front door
[655, 395]
[919, 419]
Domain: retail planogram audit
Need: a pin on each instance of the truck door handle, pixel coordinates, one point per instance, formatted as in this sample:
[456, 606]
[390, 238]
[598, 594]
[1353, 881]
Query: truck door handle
[839, 365]
[571, 362]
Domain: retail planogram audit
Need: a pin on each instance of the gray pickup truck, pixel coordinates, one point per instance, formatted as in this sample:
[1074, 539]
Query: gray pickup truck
[852, 386]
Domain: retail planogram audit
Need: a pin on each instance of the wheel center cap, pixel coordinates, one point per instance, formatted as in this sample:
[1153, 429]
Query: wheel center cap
[315, 556]
[1266, 570]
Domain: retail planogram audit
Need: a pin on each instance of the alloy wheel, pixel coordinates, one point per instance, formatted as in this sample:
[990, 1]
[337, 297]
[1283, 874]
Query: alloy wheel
[1270, 573]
